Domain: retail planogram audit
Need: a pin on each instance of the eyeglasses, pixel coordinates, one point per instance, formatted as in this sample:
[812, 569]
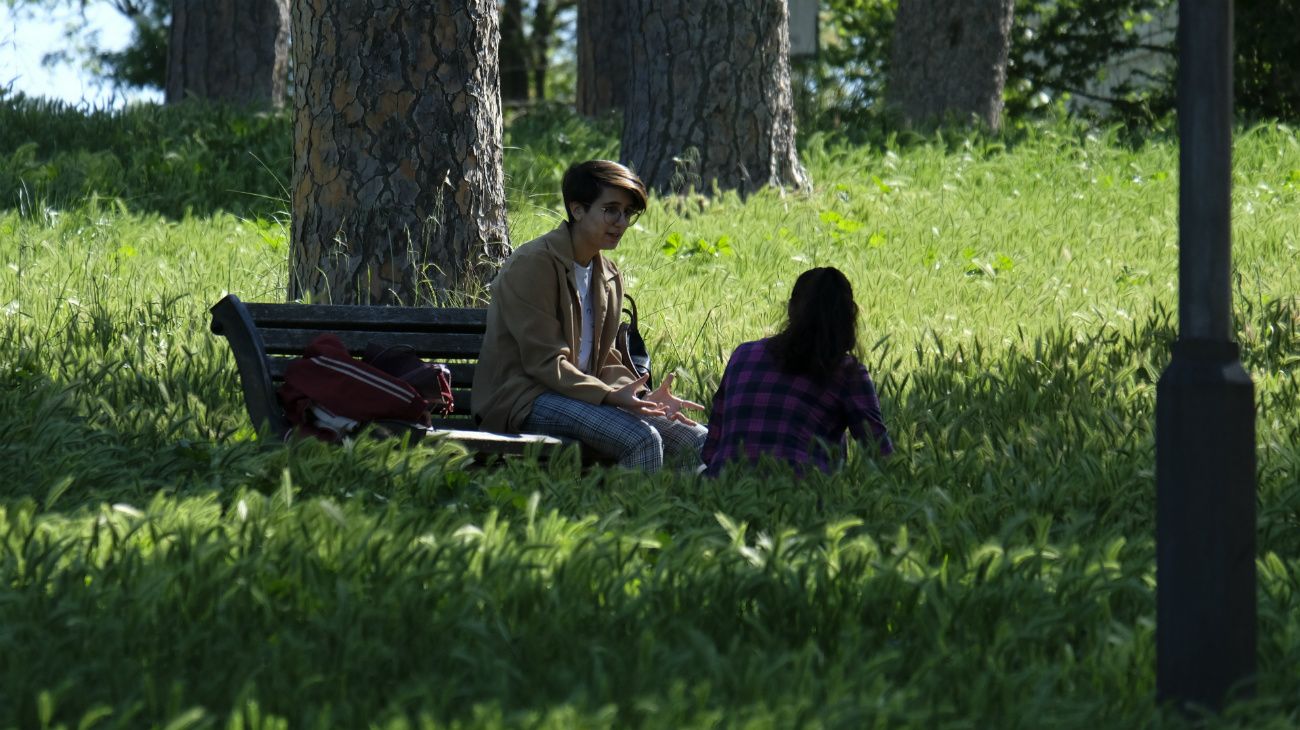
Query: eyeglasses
[613, 213]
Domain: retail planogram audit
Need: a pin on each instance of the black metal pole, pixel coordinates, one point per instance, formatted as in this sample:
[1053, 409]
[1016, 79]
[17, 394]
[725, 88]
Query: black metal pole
[1205, 402]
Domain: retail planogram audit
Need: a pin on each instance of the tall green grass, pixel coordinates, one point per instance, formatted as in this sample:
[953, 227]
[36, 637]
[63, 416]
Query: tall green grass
[162, 567]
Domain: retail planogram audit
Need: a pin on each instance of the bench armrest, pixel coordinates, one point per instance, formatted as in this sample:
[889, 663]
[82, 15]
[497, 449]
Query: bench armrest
[230, 319]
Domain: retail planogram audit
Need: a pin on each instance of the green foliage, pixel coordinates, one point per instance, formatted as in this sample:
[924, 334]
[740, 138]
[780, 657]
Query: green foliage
[1062, 45]
[162, 567]
[542, 47]
[142, 63]
[200, 159]
[676, 245]
[1061, 49]
[843, 87]
[1266, 74]
[172, 160]
[1062, 52]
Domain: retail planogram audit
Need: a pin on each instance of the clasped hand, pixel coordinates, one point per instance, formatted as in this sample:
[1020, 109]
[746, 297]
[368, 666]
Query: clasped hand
[658, 402]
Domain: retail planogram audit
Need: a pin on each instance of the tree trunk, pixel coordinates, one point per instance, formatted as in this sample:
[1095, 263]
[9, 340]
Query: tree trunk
[602, 58]
[514, 53]
[398, 191]
[229, 50]
[709, 98]
[949, 59]
[539, 44]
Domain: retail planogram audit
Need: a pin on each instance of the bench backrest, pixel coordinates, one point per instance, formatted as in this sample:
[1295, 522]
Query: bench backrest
[265, 337]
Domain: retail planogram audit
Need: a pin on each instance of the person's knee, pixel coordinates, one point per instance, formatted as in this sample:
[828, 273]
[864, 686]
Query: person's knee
[687, 441]
[644, 451]
[701, 434]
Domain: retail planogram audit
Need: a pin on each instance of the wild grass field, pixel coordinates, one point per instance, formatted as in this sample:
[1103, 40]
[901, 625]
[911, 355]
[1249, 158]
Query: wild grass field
[161, 567]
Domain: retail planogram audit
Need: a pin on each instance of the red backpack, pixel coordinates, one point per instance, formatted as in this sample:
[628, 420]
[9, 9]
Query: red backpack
[328, 394]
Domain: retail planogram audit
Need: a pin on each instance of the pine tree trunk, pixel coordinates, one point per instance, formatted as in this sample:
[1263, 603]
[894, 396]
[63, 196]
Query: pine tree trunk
[514, 53]
[398, 190]
[949, 59]
[709, 97]
[602, 58]
[539, 44]
[229, 50]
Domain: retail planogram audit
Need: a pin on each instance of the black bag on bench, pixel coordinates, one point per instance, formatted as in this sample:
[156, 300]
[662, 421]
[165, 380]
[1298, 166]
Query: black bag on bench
[631, 346]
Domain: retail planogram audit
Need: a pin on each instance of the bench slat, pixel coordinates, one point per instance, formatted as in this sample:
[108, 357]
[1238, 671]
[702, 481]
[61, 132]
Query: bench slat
[331, 317]
[428, 345]
[486, 442]
[457, 420]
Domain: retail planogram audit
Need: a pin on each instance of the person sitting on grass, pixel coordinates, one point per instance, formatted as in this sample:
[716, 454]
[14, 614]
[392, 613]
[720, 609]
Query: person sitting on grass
[793, 396]
[549, 364]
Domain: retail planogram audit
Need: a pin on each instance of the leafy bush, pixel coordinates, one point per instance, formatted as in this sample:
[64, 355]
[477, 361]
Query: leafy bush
[1061, 59]
[200, 159]
[193, 158]
[1266, 74]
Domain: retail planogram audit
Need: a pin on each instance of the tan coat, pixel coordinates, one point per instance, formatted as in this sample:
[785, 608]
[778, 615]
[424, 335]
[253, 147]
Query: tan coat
[533, 327]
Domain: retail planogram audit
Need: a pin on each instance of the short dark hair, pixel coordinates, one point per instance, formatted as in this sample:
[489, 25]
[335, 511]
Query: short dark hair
[583, 181]
[822, 325]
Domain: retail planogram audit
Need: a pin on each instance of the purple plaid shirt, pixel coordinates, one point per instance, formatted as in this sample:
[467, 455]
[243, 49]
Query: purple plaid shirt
[760, 410]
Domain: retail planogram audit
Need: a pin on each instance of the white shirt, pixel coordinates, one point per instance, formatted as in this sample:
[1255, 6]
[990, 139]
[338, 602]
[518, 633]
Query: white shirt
[582, 275]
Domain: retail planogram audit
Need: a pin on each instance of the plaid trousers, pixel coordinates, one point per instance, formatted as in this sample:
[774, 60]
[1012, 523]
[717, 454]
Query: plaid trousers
[638, 442]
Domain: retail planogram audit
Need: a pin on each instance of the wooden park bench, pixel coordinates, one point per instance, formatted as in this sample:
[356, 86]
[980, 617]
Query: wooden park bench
[266, 337]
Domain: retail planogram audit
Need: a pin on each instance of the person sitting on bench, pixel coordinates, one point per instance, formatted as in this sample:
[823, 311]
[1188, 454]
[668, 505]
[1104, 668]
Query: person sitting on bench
[549, 363]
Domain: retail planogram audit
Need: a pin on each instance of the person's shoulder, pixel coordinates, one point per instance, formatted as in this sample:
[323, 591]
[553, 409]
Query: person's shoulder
[750, 352]
[532, 252]
[529, 266]
[540, 246]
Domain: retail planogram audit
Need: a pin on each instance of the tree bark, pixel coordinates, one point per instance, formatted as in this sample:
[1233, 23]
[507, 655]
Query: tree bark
[602, 58]
[709, 99]
[949, 59]
[398, 190]
[229, 50]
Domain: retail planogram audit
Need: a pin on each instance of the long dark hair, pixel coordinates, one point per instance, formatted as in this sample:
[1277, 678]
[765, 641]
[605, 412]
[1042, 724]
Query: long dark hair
[822, 325]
